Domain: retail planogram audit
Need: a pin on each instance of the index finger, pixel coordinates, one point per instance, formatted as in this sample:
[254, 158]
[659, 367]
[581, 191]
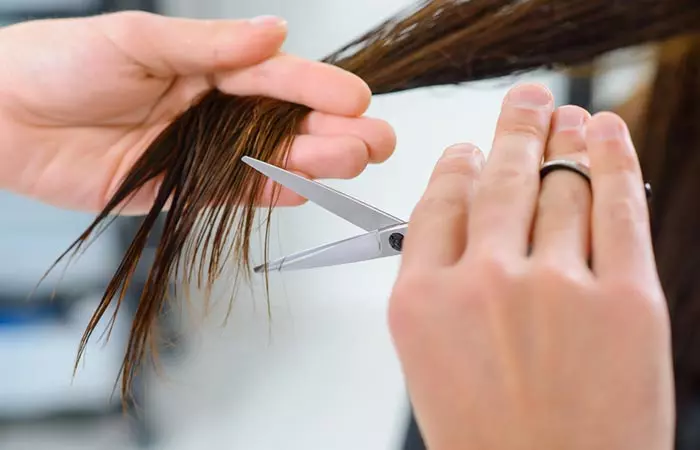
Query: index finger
[622, 244]
[319, 86]
[176, 46]
[505, 202]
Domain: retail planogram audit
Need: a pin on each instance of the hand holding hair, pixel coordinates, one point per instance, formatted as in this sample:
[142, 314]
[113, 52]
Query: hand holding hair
[504, 348]
[77, 114]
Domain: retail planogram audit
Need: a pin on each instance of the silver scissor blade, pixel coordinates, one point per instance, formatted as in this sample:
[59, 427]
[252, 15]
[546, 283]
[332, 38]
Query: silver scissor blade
[354, 211]
[355, 249]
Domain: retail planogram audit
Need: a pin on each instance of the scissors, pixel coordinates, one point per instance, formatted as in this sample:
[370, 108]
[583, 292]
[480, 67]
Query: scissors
[383, 235]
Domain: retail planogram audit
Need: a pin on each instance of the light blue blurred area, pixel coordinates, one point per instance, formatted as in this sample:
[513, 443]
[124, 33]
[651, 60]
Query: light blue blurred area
[39, 337]
[33, 235]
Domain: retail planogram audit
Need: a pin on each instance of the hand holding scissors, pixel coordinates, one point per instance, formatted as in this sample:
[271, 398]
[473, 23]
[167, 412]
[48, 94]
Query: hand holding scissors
[527, 313]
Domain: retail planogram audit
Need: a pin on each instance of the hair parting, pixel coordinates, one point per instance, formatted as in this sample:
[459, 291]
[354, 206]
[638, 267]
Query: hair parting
[209, 195]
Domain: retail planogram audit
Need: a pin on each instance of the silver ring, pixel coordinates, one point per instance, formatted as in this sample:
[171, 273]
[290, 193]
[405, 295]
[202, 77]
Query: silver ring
[581, 169]
[565, 164]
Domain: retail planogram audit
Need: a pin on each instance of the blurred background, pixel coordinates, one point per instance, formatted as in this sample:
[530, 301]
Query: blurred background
[321, 373]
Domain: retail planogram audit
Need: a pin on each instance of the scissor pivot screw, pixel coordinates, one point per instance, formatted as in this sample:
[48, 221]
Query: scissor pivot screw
[396, 241]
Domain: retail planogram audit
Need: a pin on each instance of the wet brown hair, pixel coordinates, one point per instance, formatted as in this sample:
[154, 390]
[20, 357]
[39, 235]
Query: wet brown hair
[210, 194]
[667, 138]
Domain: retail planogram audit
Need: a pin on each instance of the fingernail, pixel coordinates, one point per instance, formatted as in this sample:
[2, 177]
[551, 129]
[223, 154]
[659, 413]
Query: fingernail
[605, 127]
[459, 150]
[529, 96]
[569, 118]
[268, 20]
[464, 151]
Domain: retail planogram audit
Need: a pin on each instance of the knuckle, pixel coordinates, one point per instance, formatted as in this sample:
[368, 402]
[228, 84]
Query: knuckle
[263, 74]
[127, 29]
[551, 275]
[572, 111]
[129, 16]
[421, 299]
[626, 290]
[620, 159]
[511, 175]
[636, 301]
[385, 146]
[356, 159]
[461, 149]
[569, 138]
[129, 22]
[218, 56]
[440, 207]
[566, 199]
[569, 142]
[505, 180]
[525, 123]
[409, 299]
[457, 164]
[626, 212]
[524, 130]
[495, 279]
[356, 166]
[494, 270]
[570, 120]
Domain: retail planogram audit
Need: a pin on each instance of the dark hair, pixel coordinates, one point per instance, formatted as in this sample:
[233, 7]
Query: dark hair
[437, 42]
[668, 142]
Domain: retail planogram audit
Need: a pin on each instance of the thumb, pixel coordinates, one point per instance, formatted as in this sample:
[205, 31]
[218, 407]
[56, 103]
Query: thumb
[169, 46]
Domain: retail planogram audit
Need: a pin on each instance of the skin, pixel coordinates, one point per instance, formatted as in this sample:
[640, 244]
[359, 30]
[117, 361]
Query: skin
[508, 350]
[75, 114]
[501, 349]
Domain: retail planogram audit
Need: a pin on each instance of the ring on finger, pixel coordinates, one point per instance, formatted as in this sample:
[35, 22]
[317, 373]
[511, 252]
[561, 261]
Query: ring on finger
[566, 164]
